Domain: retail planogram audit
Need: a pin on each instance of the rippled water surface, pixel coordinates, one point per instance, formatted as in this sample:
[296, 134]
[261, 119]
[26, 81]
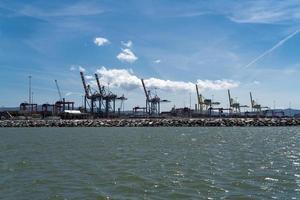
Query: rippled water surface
[150, 163]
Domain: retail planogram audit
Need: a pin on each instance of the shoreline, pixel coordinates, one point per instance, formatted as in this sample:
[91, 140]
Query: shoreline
[154, 122]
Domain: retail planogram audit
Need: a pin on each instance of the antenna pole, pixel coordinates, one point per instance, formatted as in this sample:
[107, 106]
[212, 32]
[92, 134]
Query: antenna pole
[29, 77]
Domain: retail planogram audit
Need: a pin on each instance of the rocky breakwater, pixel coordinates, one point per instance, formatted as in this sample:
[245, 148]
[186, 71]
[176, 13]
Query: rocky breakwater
[172, 122]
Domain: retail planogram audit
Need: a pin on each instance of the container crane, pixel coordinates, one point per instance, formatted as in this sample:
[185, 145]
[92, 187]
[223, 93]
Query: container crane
[152, 103]
[105, 98]
[235, 106]
[255, 106]
[205, 104]
[60, 105]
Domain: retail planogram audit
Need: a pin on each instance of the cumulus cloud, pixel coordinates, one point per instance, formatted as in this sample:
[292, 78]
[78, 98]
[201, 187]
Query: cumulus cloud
[77, 67]
[100, 41]
[89, 77]
[126, 55]
[127, 44]
[81, 69]
[121, 78]
[157, 61]
[217, 84]
[126, 79]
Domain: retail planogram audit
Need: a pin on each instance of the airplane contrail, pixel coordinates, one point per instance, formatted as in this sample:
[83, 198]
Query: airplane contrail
[280, 43]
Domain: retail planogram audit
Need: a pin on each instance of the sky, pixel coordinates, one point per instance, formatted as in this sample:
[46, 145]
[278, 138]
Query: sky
[219, 44]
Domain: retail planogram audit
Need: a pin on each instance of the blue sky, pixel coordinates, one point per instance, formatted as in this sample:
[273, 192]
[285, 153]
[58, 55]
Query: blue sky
[242, 45]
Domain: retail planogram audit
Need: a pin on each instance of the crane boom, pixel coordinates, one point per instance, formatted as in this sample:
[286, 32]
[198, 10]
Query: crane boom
[84, 85]
[198, 96]
[98, 83]
[230, 100]
[252, 102]
[58, 90]
[145, 90]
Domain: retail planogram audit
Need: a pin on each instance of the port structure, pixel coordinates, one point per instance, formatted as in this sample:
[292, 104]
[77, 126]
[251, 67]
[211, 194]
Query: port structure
[234, 106]
[255, 107]
[28, 107]
[59, 106]
[102, 102]
[152, 101]
[206, 106]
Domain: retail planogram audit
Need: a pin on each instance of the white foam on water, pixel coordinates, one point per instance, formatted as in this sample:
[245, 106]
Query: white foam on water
[292, 156]
[271, 179]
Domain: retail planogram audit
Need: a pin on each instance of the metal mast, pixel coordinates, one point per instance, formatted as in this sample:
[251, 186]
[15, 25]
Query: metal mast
[29, 100]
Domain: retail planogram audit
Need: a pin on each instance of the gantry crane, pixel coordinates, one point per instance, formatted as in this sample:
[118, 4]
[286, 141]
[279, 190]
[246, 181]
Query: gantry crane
[60, 105]
[205, 104]
[255, 106]
[106, 99]
[234, 106]
[152, 103]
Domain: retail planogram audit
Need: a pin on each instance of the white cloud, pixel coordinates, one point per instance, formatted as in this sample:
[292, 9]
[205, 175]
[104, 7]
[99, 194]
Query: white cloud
[127, 44]
[264, 11]
[89, 77]
[256, 82]
[169, 85]
[157, 61]
[77, 67]
[81, 69]
[126, 79]
[68, 93]
[100, 41]
[217, 84]
[122, 78]
[70, 10]
[126, 55]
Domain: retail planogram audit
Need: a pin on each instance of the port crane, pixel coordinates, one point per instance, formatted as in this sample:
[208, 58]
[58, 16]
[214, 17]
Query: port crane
[152, 101]
[61, 105]
[104, 97]
[255, 106]
[205, 104]
[234, 106]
